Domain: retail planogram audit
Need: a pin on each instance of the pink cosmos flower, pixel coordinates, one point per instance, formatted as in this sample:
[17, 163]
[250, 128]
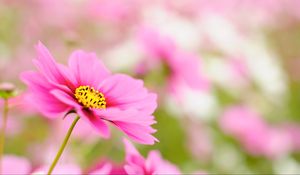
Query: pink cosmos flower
[153, 164]
[99, 97]
[256, 136]
[183, 67]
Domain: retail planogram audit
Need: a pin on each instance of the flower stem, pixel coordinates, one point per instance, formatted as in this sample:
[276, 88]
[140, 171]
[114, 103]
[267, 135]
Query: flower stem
[3, 129]
[62, 147]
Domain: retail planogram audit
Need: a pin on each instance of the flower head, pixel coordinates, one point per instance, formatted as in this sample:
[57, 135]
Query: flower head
[182, 68]
[89, 88]
[153, 164]
[6, 90]
[256, 135]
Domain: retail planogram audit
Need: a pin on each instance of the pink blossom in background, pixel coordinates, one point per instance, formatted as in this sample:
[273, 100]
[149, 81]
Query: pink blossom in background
[256, 136]
[106, 167]
[118, 11]
[293, 130]
[18, 104]
[239, 120]
[117, 99]
[13, 125]
[183, 67]
[153, 164]
[60, 169]
[49, 148]
[155, 45]
[61, 15]
[278, 143]
[199, 140]
[13, 165]
[289, 8]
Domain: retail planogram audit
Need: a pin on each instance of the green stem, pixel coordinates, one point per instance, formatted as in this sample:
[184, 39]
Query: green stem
[3, 129]
[62, 147]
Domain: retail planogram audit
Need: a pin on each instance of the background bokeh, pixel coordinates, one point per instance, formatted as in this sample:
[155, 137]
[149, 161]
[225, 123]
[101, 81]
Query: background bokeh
[242, 116]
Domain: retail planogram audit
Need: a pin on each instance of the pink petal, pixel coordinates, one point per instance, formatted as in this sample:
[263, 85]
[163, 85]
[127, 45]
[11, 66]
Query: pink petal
[95, 121]
[130, 150]
[133, 169]
[135, 124]
[51, 111]
[137, 133]
[105, 169]
[65, 98]
[87, 68]
[40, 97]
[125, 92]
[156, 164]
[48, 67]
[130, 115]
[135, 162]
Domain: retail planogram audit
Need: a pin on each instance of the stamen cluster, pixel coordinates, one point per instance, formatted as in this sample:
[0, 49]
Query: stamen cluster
[90, 98]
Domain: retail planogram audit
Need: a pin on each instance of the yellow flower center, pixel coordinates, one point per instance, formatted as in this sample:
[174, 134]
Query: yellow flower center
[90, 98]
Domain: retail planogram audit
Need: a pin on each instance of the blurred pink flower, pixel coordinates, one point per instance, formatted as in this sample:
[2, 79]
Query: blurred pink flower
[106, 167]
[199, 140]
[98, 96]
[293, 130]
[14, 126]
[153, 164]
[256, 136]
[118, 11]
[62, 15]
[20, 107]
[15, 165]
[240, 120]
[277, 143]
[60, 169]
[183, 67]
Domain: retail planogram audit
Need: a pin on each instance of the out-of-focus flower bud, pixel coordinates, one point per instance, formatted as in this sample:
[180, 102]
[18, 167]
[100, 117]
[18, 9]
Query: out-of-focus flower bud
[7, 90]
